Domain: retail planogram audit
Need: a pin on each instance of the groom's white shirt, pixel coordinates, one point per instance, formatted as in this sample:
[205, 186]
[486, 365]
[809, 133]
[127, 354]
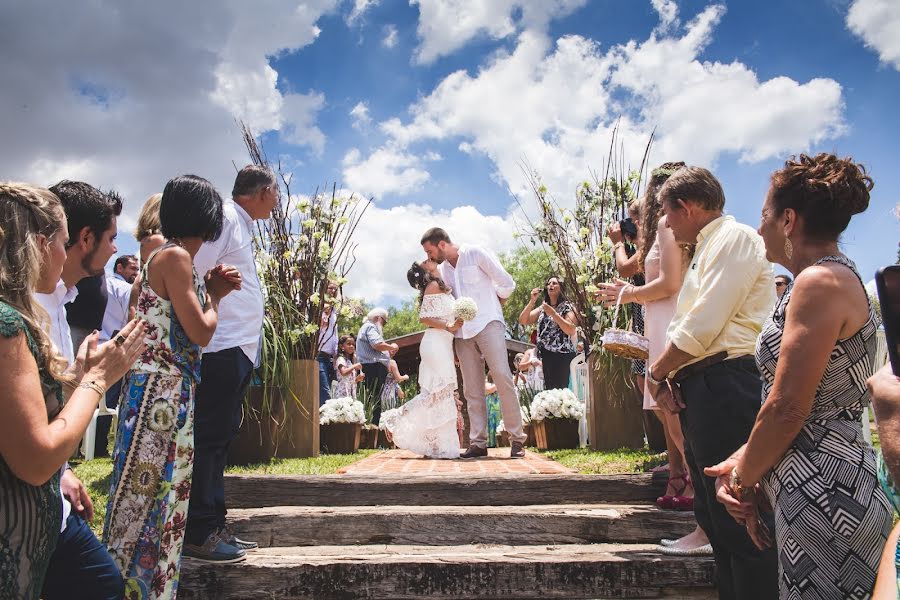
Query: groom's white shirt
[480, 276]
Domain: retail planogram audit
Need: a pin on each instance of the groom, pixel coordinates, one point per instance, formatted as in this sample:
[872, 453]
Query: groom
[474, 272]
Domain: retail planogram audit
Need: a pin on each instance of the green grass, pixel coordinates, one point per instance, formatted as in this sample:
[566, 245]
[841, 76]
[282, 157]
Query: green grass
[586, 461]
[95, 474]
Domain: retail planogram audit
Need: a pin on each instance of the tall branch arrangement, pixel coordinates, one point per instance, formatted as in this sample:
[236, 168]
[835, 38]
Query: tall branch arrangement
[306, 243]
[576, 238]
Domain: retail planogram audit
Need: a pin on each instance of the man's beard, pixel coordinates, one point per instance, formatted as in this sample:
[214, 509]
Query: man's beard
[86, 264]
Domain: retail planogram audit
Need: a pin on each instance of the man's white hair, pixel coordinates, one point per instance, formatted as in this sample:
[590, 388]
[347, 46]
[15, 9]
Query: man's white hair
[377, 312]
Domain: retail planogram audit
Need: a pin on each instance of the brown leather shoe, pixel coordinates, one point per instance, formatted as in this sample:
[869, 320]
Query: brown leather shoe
[517, 450]
[474, 452]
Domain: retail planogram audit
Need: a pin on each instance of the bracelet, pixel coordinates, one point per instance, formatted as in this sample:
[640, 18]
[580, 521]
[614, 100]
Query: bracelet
[655, 381]
[737, 486]
[90, 385]
[618, 245]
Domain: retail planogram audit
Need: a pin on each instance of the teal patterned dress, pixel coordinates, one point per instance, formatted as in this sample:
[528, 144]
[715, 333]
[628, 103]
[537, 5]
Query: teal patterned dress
[494, 417]
[153, 458]
[30, 516]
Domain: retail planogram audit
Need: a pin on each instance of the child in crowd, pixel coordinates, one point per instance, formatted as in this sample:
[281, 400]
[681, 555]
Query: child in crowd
[349, 372]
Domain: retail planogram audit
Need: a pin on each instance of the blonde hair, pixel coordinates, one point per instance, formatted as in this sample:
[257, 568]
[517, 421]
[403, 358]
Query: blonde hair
[27, 211]
[148, 221]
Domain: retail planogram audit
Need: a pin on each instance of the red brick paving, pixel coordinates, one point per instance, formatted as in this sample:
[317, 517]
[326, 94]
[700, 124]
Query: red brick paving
[404, 462]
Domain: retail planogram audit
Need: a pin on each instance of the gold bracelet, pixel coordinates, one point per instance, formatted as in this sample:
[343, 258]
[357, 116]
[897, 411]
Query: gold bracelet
[90, 385]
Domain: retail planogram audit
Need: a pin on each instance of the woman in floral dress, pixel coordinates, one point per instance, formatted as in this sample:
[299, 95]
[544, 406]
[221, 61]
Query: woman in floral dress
[153, 458]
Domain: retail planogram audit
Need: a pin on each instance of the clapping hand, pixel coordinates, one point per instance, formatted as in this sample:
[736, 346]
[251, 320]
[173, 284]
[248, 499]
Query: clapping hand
[108, 362]
[221, 280]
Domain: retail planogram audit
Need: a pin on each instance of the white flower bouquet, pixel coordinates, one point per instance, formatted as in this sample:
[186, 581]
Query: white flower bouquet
[559, 404]
[465, 309]
[342, 410]
[526, 418]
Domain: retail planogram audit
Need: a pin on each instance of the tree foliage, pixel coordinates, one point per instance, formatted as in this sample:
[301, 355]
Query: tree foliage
[403, 320]
[529, 268]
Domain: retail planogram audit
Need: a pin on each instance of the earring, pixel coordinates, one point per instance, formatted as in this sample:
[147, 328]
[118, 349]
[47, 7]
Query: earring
[788, 248]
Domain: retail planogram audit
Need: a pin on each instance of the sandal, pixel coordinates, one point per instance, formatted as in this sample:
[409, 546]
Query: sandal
[682, 502]
[669, 501]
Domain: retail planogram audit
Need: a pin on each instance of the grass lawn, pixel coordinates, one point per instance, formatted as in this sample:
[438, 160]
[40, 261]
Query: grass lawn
[96, 474]
[584, 460]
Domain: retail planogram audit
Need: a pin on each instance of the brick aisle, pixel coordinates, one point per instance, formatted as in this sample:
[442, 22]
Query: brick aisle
[396, 462]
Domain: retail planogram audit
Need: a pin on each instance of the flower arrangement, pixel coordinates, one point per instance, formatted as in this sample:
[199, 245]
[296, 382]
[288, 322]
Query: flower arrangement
[526, 419]
[559, 404]
[342, 410]
[465, 308]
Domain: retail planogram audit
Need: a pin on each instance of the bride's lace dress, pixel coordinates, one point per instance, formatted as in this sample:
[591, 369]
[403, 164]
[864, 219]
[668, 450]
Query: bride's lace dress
[427, 424]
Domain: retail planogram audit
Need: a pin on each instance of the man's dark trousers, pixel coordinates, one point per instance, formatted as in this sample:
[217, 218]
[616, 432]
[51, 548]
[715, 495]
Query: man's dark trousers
[375, 374]
[81, 568]
[224, 377]
[722, 402]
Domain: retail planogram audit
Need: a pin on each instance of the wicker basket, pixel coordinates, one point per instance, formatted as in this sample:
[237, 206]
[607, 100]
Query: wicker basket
[620, 342]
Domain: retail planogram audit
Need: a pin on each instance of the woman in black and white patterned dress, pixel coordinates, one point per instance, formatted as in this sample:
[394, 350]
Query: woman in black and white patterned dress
[806, 450]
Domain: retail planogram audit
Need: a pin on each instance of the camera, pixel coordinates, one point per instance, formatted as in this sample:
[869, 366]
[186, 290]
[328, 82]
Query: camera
[629, 229]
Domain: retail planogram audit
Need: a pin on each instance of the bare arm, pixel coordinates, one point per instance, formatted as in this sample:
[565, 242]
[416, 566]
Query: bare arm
[884, 388]
[530, 314]
[627, 266]
[817, 313]
[431, 289]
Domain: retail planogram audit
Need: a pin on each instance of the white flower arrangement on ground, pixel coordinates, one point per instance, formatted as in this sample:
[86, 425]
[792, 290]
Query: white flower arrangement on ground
[526, 418]
[465, 309]
[342, 410]
[560, 404]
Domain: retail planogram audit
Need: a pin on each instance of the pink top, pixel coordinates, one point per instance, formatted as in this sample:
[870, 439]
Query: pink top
[657, 314]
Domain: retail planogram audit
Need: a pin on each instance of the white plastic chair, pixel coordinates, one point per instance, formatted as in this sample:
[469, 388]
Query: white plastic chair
[87, 443]
[578, 375]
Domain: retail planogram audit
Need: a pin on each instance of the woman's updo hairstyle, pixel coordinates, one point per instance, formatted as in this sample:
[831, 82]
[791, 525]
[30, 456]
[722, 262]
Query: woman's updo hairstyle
[825, 190]
[417, 276]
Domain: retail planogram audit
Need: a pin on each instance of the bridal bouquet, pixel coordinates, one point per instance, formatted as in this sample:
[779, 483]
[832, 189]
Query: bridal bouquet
[561, 404]
[342, 410]
[465, 309]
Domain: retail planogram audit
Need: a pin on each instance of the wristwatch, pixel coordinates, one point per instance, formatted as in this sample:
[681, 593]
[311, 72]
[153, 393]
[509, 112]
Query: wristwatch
[738, 488]
[656, 382]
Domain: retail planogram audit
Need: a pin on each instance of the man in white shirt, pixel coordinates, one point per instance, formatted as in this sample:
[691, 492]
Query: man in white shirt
[227, 366]
[474, 272]
[80, 566]
[126, 268]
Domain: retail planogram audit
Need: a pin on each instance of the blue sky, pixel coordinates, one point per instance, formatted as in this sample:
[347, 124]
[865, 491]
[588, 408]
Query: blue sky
[430, 105]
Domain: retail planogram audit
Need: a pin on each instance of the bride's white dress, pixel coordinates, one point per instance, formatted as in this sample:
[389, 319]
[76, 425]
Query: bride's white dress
[427, 424]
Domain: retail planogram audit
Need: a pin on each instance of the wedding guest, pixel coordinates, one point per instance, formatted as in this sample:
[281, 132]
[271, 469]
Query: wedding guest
[727, 293]
[555, 319]
[815, 353]
[663, 262]
[148, 232]
[532, 370]
[375, 355]
[781, 284]
[492, 401]
[392, 391]
[47, 404]
[126, 268]
[328, 344]
[91, 215]
[150, 485]
[627, 245]
[349, 372]
[884, 388]
[228, 362]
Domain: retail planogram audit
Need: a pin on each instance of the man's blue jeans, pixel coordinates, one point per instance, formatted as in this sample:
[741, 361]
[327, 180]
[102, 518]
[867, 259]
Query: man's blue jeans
[81, 567]
[327, 374]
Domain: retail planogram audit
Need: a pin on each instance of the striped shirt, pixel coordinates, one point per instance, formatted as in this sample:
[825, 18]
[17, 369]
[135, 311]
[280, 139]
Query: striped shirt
[369, 335]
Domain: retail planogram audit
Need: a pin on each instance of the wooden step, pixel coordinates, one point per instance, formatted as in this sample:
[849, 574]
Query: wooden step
[475, 572]
[455, 525]
[253, 491]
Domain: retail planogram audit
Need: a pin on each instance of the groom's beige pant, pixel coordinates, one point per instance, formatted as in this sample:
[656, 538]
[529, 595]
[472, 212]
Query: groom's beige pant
[488, 346]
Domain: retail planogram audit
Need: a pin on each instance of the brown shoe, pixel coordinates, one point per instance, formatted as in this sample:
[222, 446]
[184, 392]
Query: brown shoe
[474, 452]
[517, 450]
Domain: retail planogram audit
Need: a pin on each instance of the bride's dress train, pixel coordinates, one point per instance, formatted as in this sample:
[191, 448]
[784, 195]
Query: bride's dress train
[427, 424]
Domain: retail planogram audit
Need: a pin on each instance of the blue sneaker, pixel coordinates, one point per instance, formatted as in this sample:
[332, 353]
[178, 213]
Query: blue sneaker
[228, 536]
[214, 550]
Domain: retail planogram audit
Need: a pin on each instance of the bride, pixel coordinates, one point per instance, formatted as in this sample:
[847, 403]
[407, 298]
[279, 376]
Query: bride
[427, 424]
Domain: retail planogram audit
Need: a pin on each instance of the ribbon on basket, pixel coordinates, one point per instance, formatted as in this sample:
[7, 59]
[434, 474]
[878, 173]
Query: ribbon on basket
[621, 342]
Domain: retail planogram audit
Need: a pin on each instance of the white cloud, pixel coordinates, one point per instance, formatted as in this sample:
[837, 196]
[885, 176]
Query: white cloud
[389, 243]
[877, 22]
[387, 170]
[668, 13]
[129, 97]
[447, 25]
[390, 36]
[555, 104]
[360, 116]
[359, 9]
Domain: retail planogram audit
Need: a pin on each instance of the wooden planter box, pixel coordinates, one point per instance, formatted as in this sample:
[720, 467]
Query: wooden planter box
[556, 434]
[368, 438]
[503, 437]
[614, 410]
[339, 438]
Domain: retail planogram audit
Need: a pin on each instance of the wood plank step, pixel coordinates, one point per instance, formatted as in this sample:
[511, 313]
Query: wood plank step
[473, 572]
[253, 491]
[455, 525]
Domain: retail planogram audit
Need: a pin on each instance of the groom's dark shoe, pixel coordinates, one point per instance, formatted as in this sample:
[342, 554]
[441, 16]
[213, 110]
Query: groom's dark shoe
[517, 450]
[474, 452]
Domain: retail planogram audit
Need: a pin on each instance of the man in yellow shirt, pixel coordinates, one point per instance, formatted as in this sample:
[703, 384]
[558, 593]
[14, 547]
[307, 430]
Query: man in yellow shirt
[708, 371]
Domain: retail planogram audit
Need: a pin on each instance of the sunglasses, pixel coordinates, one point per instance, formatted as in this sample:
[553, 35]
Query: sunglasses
[780, 284]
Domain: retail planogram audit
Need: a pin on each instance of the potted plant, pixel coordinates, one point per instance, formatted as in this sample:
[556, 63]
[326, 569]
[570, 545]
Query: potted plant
[341, 421]
[307, 242]
[554, 418]
[583, 256]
